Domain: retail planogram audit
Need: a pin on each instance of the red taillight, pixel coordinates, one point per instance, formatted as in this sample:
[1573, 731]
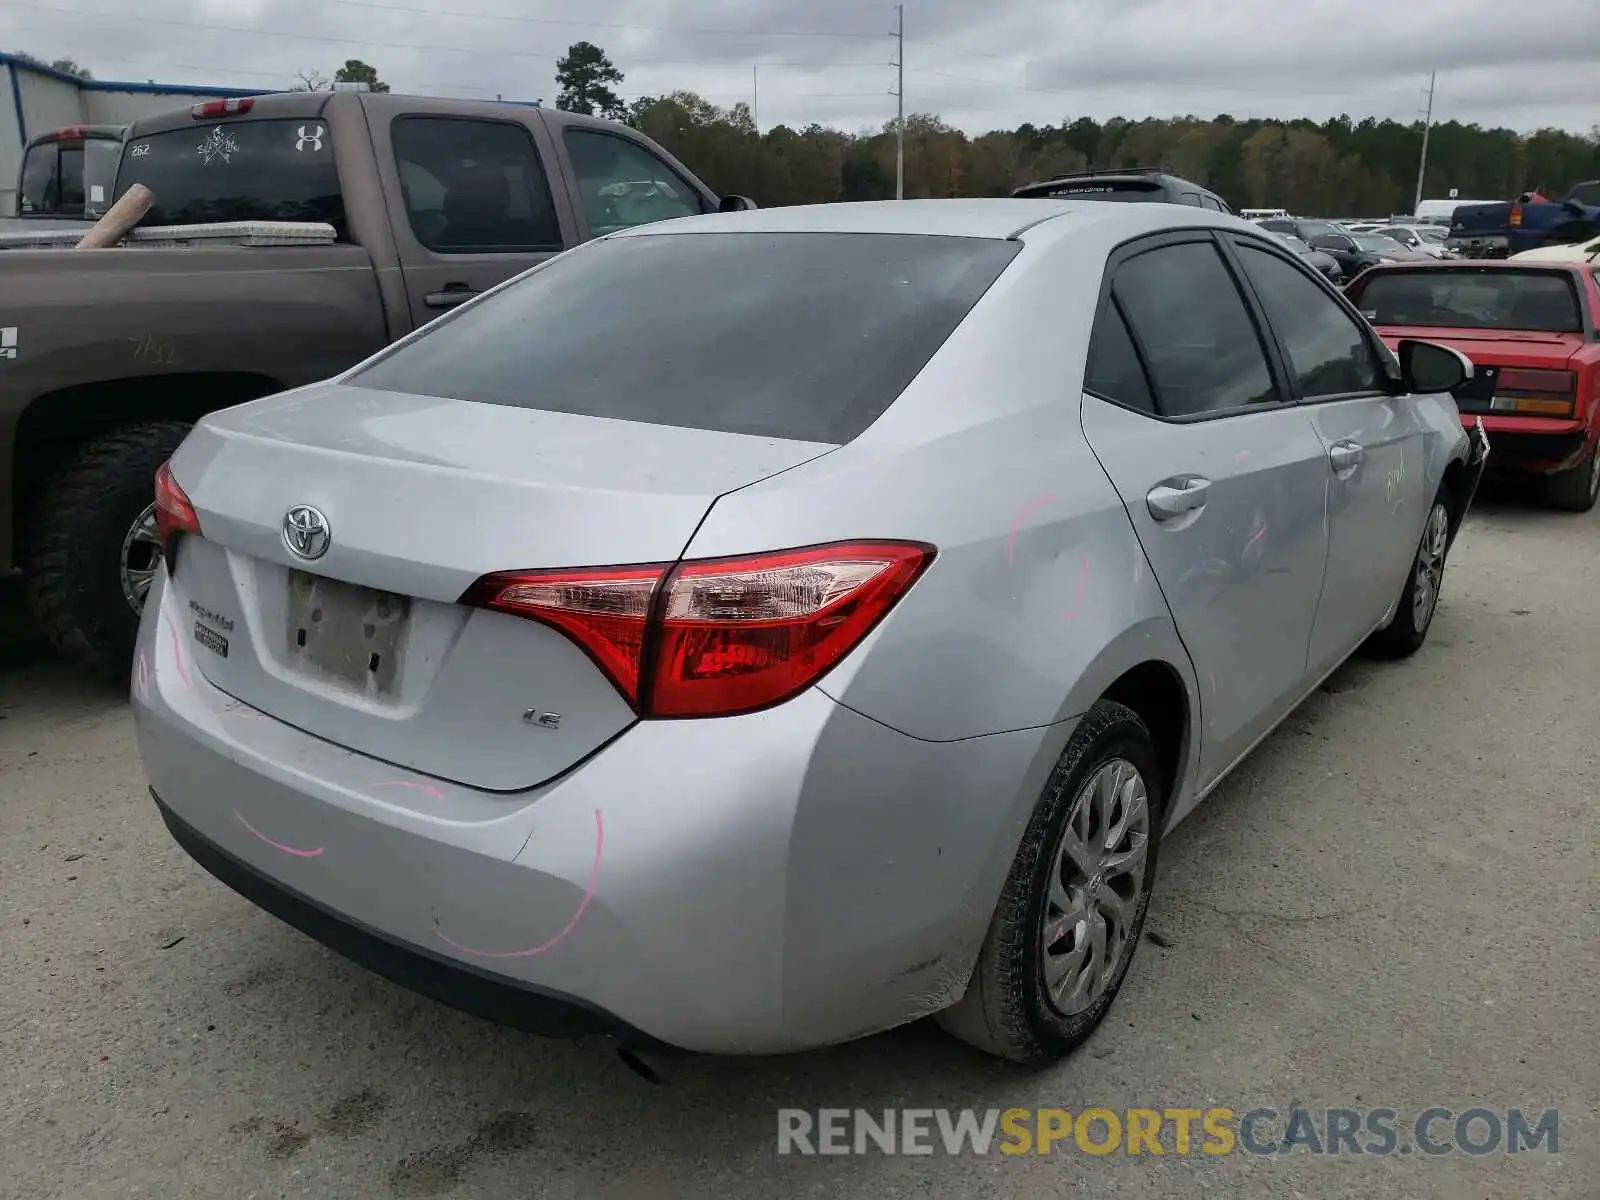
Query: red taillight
[1516, 216]
[714, 637]
[222, 108]
[66, 134]
[1526, 381]
[174, 513]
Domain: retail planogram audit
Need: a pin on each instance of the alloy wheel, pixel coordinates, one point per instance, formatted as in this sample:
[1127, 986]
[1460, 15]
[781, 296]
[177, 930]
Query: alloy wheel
[1097, 883]
[1430, 567]
[141, 555]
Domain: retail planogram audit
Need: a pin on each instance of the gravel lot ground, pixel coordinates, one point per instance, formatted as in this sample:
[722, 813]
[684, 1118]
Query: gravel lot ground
[1392, 903]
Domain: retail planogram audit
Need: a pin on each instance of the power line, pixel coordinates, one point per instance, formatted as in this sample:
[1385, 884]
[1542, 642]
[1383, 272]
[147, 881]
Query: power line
[483, 16]
[372, 42]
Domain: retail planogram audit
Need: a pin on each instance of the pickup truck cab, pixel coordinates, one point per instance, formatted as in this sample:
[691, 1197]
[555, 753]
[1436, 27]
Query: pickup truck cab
[109, 355]
[66, 178]
[1498, 230]
[1537, 327]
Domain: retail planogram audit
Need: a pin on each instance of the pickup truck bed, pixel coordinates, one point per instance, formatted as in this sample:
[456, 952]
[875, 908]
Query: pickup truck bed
[107, 356]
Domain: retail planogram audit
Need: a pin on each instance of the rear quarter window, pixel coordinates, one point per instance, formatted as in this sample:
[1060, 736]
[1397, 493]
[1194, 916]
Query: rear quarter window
[805, 336]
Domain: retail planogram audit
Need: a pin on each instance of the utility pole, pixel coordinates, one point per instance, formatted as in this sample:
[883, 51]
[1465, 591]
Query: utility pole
[900, 103]
[1427, 124]
[755, 96]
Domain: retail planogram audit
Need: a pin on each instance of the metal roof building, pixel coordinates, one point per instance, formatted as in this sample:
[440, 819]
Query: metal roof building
[35, 99]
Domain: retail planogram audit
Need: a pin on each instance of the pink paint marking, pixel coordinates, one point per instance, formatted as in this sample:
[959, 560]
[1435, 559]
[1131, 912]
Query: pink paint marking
[577, 913]
[416, 787]
[1077, 599]
[278, 845]
[177, 652]
[1258, 535]
[143, 677]
[1241, 456]
[1016, 524]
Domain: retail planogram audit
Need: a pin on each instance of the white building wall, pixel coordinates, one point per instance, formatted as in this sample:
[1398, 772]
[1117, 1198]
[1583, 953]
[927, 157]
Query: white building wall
[123, 108]
[48, 102]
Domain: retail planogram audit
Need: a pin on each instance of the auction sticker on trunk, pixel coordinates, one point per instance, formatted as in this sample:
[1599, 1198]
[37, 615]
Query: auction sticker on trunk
[211, 639]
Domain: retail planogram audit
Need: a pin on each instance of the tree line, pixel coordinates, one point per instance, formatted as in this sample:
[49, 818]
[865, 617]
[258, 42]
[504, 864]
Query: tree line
[1341, 166]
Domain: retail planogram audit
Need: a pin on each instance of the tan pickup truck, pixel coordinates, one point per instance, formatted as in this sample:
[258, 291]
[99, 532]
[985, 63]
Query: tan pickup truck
[107, 356]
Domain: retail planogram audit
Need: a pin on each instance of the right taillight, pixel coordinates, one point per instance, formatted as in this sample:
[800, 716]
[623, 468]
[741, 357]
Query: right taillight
[715, 637]
[1535, 392]
[174, 513]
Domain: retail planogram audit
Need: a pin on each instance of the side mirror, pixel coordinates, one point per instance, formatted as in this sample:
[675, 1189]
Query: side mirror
[1429, 369]
[736, 204]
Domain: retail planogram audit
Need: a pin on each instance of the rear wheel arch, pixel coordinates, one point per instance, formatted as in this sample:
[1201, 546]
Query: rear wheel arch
[1156, 691]
[54, 424]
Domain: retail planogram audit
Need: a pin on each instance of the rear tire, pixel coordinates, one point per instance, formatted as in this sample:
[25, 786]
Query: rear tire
[87, 546]
[1575, 490]
[1419, 599]
[1044, 981]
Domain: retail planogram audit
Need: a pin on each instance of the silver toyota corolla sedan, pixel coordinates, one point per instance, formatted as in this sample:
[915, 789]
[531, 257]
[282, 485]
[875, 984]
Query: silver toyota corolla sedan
[755, 631]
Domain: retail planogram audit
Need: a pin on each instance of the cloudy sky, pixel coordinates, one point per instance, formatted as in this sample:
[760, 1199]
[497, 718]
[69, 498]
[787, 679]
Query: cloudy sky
[979, 65]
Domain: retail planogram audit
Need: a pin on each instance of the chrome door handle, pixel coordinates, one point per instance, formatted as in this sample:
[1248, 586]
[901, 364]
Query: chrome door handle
[1168, 500]
[1345, 456]
[449, 298]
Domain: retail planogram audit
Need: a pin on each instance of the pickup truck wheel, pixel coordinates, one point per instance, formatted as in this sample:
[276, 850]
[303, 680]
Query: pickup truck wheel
[89, 547]
[1073, 908]
[1575, 490]
[1419, 600]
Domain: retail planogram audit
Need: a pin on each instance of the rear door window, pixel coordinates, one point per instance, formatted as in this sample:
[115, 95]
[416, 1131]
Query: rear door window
[808, 336]
[1327, 350]
[269, 170]
[1198, 339]
[474, 186]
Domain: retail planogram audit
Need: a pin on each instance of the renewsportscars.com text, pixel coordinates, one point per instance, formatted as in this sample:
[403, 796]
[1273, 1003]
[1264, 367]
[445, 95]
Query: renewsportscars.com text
[1259, 1131]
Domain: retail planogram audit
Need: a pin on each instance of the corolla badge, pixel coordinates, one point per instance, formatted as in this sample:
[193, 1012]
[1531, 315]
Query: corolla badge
[305, 532]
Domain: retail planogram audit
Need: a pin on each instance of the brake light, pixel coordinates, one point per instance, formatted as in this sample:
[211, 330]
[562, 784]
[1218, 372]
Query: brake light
[63, 135]
[1535, 393]
[715, 637]
[1516, 216]
[174, 513]
[222, 108]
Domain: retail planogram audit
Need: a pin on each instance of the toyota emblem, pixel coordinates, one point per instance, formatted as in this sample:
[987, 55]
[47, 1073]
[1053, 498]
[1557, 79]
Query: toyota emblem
[305, 532]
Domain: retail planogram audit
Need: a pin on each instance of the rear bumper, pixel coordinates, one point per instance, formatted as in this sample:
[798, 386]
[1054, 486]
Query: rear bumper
[755, 884]
[1521, 446]
[467, 988]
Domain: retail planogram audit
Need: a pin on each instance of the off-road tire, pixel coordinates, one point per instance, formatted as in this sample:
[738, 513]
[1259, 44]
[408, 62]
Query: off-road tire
[1006, 1010]
[72, 542]
[1575, 490]
[1403, 636]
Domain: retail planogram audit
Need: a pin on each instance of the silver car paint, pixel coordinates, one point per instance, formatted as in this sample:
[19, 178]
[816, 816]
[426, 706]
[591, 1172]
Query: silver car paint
[831, 863]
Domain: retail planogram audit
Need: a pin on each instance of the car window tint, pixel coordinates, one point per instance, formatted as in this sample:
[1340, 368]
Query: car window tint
[809, 336]
[1114, 371]
[237, 170]
[622, 184]
[1192, 198]
[1328, 353]
[1208, 202]
[1197, 336]
[473, 186]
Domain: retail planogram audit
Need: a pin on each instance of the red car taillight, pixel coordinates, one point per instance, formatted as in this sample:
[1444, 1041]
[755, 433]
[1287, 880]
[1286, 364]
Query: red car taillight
[1535, 392]
[174, 513]
[222, 108]
[1516, 216]
[715, 637]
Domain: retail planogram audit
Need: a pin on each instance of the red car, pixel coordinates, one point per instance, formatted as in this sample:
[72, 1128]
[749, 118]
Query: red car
[1534, 326]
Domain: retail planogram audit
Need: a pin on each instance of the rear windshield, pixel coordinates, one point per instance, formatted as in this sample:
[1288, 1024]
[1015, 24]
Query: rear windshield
[1542, 302]
[1125, 190]
[237, 171]
[807, 336]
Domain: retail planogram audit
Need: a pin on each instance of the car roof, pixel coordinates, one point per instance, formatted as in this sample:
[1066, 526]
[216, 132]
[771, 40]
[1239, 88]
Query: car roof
[987, 218]
[1481, 264]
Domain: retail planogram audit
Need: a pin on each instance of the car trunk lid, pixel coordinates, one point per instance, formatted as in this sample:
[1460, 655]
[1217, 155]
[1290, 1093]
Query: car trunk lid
[366, 645]
[1501, 349]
